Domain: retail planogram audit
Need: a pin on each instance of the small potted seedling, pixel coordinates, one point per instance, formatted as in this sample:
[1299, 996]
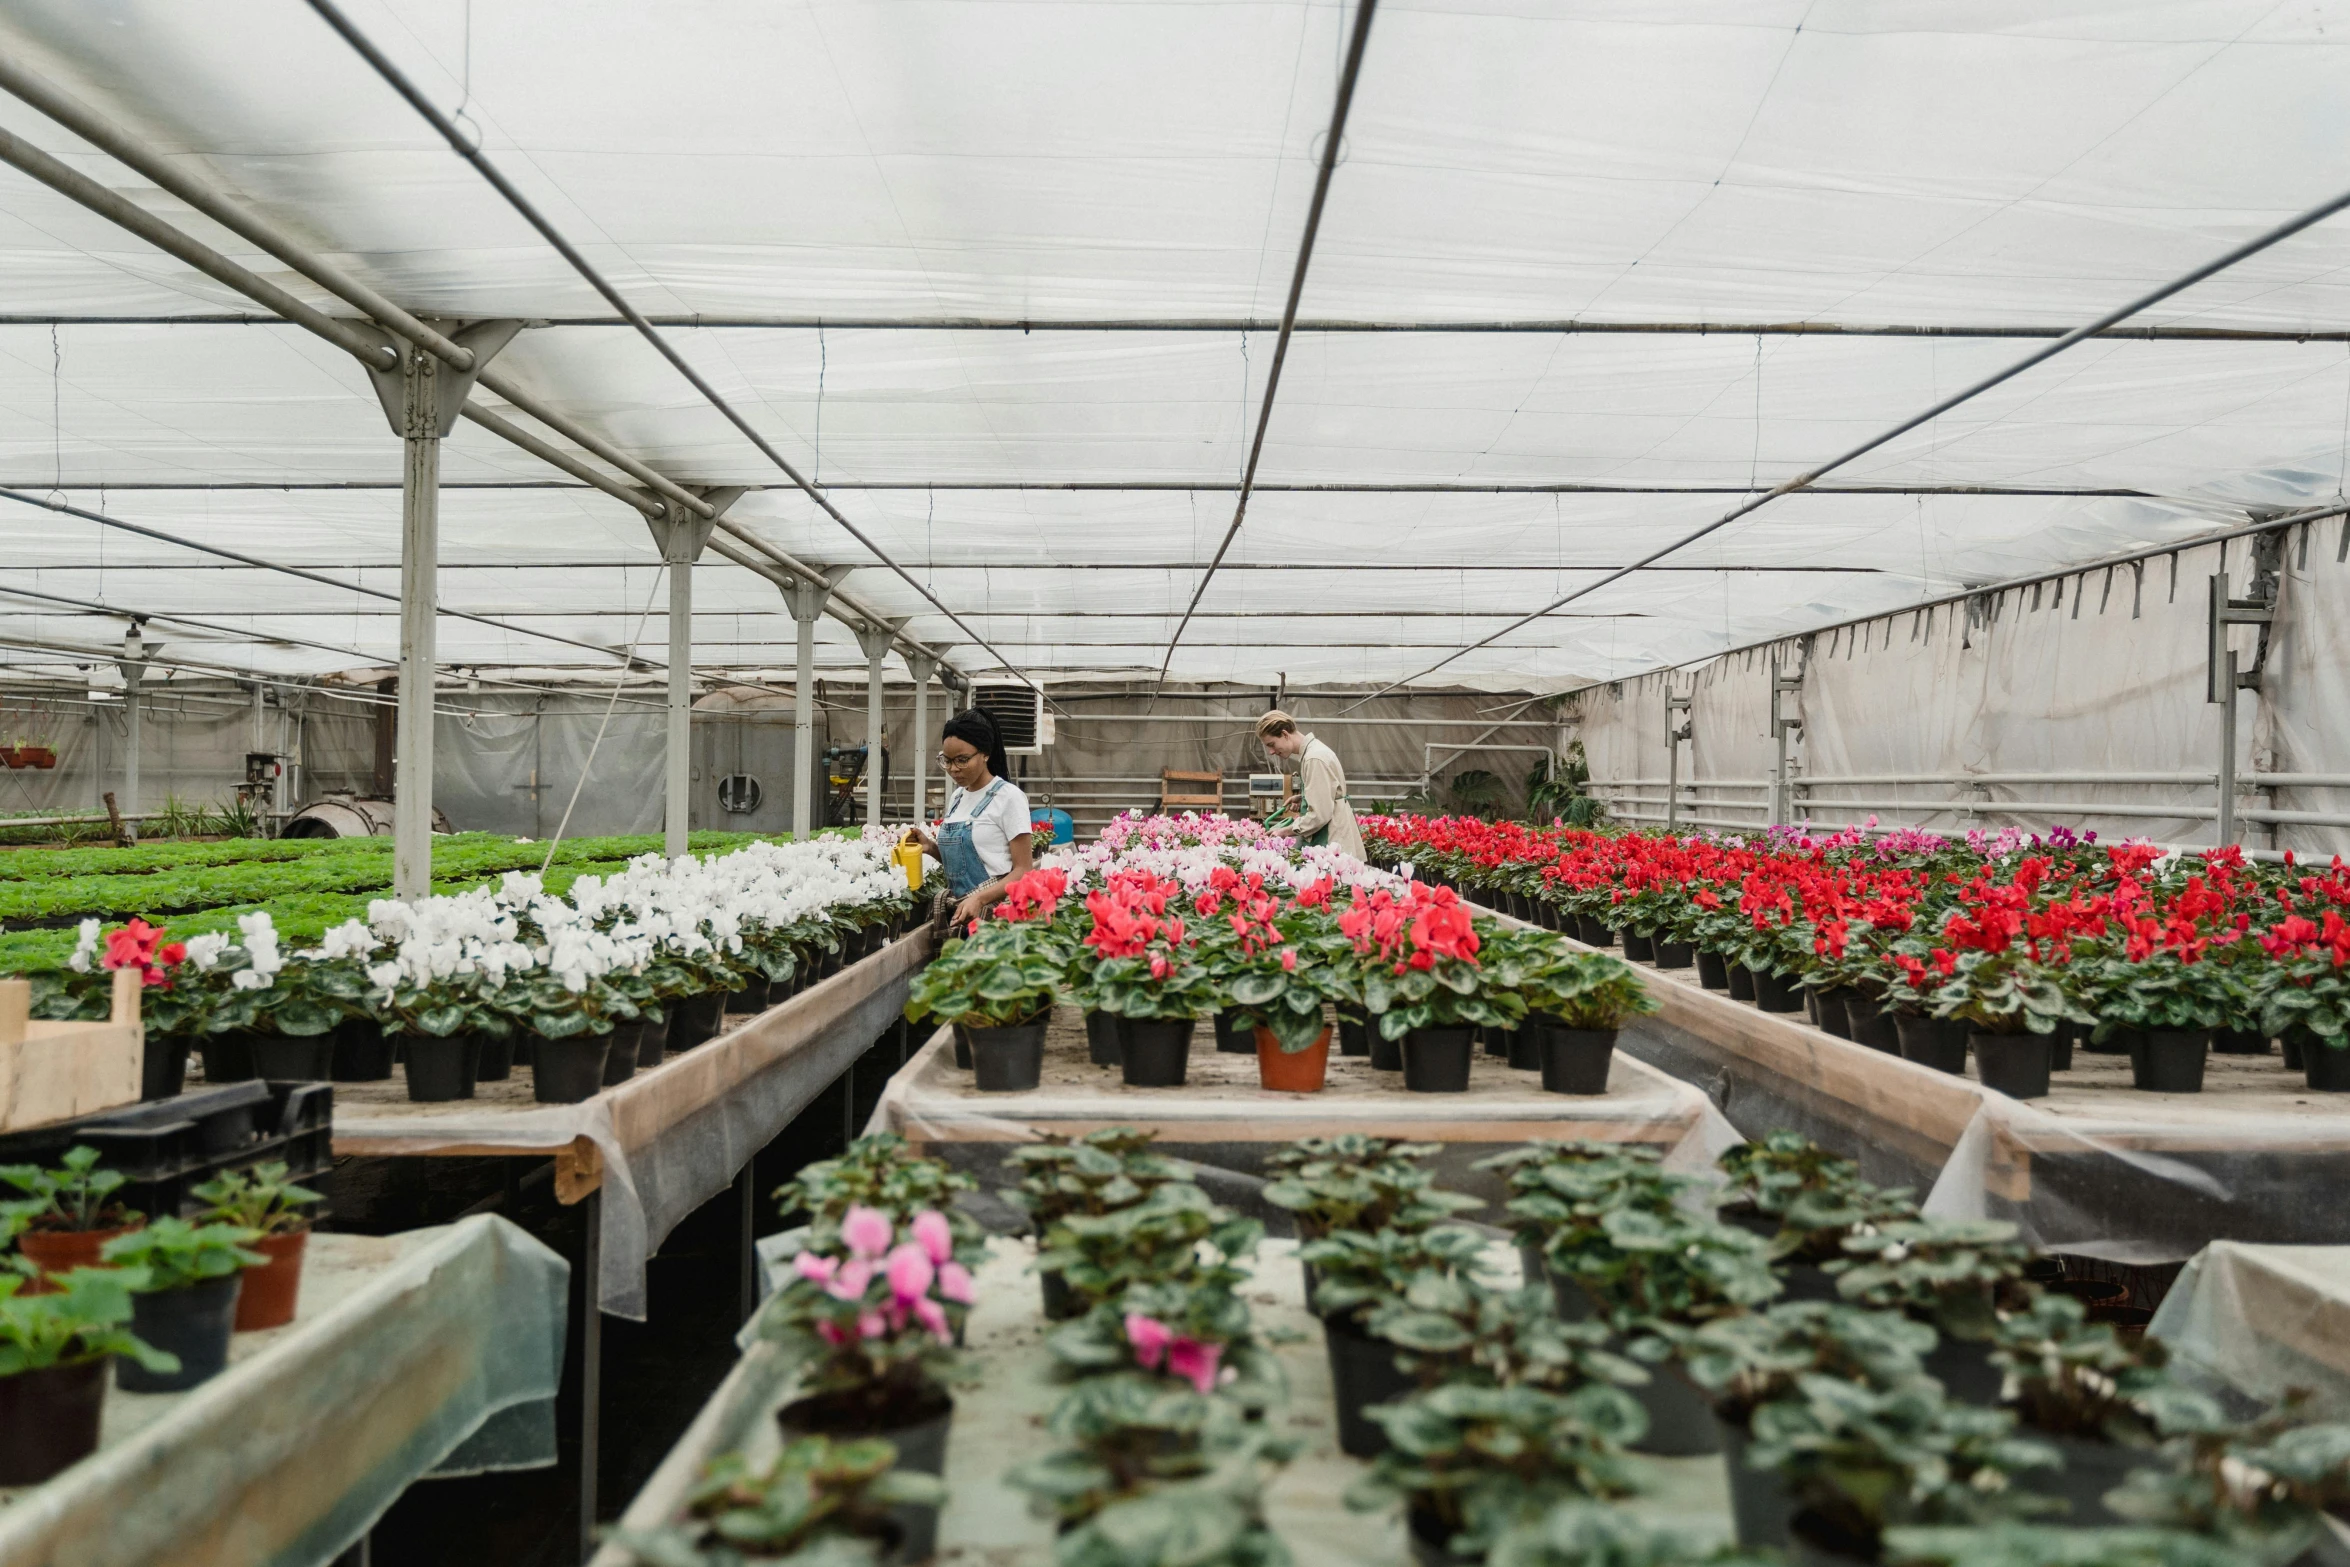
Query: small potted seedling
[54, 1348]
[187, 1304]
[37, 752]
[820, 1501]
[68, 1214]
[264, 1201]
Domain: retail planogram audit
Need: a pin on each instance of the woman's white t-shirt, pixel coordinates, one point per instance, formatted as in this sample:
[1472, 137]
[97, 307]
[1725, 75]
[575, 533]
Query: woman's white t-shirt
[992, 829]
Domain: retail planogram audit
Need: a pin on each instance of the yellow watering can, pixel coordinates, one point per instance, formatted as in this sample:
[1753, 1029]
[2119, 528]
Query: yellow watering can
[908, 855]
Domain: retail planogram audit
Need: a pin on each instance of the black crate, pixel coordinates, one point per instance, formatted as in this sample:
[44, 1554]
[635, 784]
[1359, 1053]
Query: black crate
[168, 1147]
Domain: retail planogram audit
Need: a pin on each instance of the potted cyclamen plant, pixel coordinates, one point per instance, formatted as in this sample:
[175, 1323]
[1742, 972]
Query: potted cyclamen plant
[54, 1351]
[998, 984]
[1576, 1002]
[68, 1215]
[873, 1333]
[263, 1201]
[1098, 1173]
[2306, 998]
[2161, 1005]
[820, 1502]
[2013, 1005]
[1149, 973]
[187, 1305]
[1421, 976]
[1280, 980]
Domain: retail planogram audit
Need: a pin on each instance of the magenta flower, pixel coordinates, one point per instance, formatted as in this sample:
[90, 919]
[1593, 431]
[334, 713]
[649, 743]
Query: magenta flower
[831, 1333]
[932, 1234]
[871, 1324]
[1150, 1338]
[910, 1273]
[1195, 1362]
[815, 1269]
[955, 1283]
[928, 1313]
[867, 1231]
[849, 1283]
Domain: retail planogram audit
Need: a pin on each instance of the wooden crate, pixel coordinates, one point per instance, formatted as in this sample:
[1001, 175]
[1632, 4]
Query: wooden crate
[1180, 791]
[56, 1071]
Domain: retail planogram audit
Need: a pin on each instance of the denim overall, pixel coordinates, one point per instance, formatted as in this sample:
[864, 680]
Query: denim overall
[966, 874]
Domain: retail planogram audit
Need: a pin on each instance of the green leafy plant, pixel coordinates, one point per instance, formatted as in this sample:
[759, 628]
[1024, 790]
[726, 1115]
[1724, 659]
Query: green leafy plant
[1580, 1533]
[78, 1195]
[260, 1199]
[174, 1254]
[1746, 1361]
[2042, 1545]
[1203, 1322]
[1096, 1173]
[1816, 1198]
[1955, 1274]
[2259, 1490]
[1125, 1433]
[881, 1171]
[1008, 972]
[80, 1319]
[1215, 1519]
[1175, 1234]
[1566, 988]
[2076, 1378]
[821, 1503]
[1450, 1329]
[1358, 1182]
[1472, 1463]
[2009, 992]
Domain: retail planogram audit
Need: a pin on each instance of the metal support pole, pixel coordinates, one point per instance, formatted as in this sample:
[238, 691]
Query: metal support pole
[2227, 754]
[1782, 803]
[1675, 733]
[420, 546]
[875, 641]
[134, 721]
[2223, 679]
[681, 533]
[806, 602]
[591, 1366]
[747, 1200]
[921, 666]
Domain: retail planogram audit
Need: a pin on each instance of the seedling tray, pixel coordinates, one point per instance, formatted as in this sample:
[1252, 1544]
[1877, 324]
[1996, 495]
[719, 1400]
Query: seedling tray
[167, 1148]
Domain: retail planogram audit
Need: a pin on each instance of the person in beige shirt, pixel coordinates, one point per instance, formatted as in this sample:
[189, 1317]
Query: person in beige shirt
[1327, 818]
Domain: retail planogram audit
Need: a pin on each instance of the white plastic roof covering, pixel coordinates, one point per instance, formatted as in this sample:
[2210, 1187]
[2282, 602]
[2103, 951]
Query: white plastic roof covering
[2024, 164]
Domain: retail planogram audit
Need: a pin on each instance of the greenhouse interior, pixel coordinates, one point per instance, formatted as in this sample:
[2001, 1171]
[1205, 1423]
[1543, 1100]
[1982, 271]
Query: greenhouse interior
[1551, 786]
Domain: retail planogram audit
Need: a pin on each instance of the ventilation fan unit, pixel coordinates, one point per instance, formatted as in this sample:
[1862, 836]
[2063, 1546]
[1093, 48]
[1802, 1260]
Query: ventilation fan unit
[1018, 715]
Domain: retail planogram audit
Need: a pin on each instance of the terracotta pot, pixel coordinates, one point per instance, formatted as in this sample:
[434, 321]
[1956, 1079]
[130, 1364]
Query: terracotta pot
[271, 1290]
[37, 756]
[62, 1251]
[11, 756]
[1283, 1072]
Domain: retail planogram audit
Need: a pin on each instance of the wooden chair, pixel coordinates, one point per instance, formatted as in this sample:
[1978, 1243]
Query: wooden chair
[1180, 791]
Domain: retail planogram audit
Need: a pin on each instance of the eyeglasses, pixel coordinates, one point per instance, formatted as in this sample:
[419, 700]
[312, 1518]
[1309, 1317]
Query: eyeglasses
[965, 760]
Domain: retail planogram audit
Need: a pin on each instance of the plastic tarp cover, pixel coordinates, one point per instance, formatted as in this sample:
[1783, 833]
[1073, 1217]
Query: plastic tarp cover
[666, 1141]
[434, 1352]
[2263, 1321]
[2094, 672]
[873, 167]
[998, 1420]
[1222, 1118]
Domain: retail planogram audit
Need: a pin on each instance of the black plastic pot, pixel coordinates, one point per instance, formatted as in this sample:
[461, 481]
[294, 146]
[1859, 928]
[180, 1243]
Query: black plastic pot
[1759, 1504]
[362, 1051]
[193, 1323]
[1681, 1422]
[1639, 948]
[2326, 1068]
[620, 1052]
[1362, 1373]
[1235, 1036]
[1101, 1038]
[1964, 1368]
[2060, 1046]
[496, 1062]
[1430, 1538]
[1386, 1053]
[754, 998]
[2169, 1061]
[1354, 1036]
[1008, 1060]
[1526, 1046]
[922, 1449]
[1574, 1060]
[49, 1420]
[1675, 954]
[1713, 971]
[1738, 980]
[2239, 1042]
[2115, 1043]
[443, 1067]
[1870, 1023]
[228, 1058]
[1436, 1060]
[567, 1071]
[1060, 1302]
[652, 1044]
[2090, 1470]
[1833, 1005]
[1773, 993]
[962, 1048]
[2290, 1044]
[1156, 1051]
[1931, 1041]
[694, 1019]
[1593, 933]
[2014, 1064]
[163, 1070]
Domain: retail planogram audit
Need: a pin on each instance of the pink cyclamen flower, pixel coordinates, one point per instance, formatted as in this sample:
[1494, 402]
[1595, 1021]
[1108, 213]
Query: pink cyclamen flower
[955, 1283]
[928, 1313]
[816, 1269]
[1195, 1362]
[1158, 966]
[933, 1235]
[871, 1324]
[1289, 960]
[910, 1273]
[867, 1231]
[1149, 1336]
[849, 1283]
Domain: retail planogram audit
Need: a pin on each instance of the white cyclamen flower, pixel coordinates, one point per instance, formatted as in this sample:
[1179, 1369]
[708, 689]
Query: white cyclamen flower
[85, 948]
